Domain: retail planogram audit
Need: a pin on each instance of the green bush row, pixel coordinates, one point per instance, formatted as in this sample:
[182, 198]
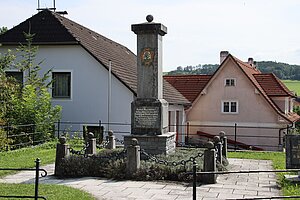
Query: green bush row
[100, 166]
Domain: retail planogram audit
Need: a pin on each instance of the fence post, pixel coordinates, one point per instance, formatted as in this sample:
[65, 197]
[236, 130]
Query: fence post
[133, 157]
[187, 133]
[111, 140]
[235, 145]
[62, 151]
[224, 143]
[218, 146]
[37, 169]
[209, 164]
[7, 134]
[194, 180]
[91, 145]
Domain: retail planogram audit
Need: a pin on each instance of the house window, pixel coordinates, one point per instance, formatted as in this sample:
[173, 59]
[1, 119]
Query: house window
[230, 82]
[229, 107]
[61, 86]
[18, 76]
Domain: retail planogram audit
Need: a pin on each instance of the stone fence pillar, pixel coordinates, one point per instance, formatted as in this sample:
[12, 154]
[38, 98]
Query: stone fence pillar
[111, 140]
[209, 164]
[218, 146]
[62, 151]
[133, 157]
[91, 145]
[224, 143]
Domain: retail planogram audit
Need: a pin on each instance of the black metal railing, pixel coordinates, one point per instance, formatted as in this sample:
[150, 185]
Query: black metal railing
[36, 185]
[238, 135]
[187, 134]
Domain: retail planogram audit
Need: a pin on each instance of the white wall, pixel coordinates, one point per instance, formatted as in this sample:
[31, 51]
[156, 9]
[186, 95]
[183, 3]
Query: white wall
[89, 102]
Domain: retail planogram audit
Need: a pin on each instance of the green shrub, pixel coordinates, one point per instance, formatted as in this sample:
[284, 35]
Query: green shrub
[104, 164]
[4, 141]
[115, 167]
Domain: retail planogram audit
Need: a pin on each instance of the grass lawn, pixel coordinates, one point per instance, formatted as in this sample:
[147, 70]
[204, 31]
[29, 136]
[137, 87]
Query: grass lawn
[293, 85]
[278, 159]
[51, 192]
[24, 158]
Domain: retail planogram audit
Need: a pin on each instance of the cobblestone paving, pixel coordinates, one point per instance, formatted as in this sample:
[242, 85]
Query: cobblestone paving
[231, 186]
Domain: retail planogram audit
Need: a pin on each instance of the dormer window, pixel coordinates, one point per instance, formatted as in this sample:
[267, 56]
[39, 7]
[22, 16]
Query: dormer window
[230, 82]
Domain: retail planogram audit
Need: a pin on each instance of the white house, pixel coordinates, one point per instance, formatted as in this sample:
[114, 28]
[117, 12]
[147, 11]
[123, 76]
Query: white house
[79, 59]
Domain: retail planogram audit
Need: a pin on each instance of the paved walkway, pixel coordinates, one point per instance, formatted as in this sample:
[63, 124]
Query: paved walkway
[231, 186]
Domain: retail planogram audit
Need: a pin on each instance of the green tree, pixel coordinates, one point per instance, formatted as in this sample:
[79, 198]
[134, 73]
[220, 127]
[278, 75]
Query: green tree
[3, 30]
[30, 103]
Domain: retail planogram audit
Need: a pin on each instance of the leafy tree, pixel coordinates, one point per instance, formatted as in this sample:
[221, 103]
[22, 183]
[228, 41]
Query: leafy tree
[281, 70]
[3, 30]
[30, 103]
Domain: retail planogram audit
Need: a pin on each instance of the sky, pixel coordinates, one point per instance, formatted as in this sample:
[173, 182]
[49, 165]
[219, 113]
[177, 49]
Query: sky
[267, 30]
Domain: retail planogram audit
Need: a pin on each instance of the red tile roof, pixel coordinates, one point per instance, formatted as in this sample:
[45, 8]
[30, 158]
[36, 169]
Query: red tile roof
[54, 29]
[264, 87]
[268, 85]
[272, 85]
[189, 85]
[172, 95]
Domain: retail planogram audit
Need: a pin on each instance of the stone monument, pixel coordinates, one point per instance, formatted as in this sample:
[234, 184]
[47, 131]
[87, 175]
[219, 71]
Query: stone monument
[149, 111]
[292, 155]
[292, 151]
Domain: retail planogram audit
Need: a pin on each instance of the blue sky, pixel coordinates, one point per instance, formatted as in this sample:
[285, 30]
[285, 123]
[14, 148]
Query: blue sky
[197, 29]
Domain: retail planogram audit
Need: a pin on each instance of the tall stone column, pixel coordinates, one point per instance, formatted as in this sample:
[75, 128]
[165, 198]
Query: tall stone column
[149, 112]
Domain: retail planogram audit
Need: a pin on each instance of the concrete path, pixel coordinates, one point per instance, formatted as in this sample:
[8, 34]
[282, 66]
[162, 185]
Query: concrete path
[231, 186]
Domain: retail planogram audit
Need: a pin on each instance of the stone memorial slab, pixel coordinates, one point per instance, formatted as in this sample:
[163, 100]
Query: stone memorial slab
[148, 117]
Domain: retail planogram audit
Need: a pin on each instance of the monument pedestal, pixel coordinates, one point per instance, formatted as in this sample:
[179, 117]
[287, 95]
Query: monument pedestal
[154, 144]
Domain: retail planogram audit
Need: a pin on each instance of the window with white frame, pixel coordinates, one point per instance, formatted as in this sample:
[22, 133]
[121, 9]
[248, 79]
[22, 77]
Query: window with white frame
[61, 86]
[230, 82]
[230, 107]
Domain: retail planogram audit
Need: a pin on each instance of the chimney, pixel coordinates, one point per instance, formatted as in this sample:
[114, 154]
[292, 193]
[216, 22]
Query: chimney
[250, 61]
[223, 55]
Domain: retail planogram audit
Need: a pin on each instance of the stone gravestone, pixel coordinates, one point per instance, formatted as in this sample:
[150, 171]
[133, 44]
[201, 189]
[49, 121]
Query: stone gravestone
[292, 145]
[149, 112]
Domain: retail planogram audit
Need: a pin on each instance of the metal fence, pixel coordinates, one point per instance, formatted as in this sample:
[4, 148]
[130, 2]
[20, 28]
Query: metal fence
[239, 136]
[74, 129]
[36, 184]
[18, 136]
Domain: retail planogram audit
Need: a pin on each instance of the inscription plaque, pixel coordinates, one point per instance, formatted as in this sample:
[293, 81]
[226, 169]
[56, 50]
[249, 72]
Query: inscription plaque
[292, 151]
[146, 117]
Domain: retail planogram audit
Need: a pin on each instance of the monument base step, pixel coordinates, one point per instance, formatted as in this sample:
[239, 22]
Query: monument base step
[154, 145]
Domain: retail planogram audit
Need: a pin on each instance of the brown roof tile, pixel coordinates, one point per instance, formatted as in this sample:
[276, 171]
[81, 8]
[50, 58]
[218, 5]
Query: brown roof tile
[264, 87]
[52, 28]
[272, 85]
[189, 85]
[172, 95]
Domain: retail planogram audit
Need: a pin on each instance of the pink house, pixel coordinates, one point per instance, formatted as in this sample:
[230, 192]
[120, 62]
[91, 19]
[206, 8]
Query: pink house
[254, 109]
